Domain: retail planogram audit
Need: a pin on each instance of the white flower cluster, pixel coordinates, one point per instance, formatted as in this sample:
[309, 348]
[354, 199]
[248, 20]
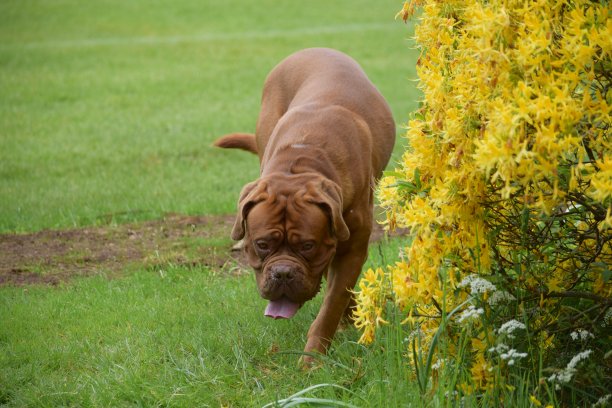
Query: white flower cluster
[438, 364]
[603, 401]
[477, 284]
[507, 354]
[413, 334]
[607, 318]
[564, 376]
[509, 327]
[470, 313]
[449, 394]
[512, 355]
[581, 334]
[500, 296]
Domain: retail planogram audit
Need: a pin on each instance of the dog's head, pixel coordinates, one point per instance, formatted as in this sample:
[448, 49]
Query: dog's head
[290, 226]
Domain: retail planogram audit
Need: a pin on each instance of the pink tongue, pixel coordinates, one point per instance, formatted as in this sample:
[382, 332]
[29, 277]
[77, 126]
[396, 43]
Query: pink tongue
[281, 308]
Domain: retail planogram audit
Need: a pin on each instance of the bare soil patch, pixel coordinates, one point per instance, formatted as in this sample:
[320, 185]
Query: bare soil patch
[54, 256]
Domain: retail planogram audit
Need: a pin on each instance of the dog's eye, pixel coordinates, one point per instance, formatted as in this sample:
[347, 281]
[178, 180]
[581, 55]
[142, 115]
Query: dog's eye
[308, 246]
[262, 246]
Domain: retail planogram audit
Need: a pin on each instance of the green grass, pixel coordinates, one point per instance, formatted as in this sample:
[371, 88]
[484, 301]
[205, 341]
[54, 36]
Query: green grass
[108, 109]
[180, 337]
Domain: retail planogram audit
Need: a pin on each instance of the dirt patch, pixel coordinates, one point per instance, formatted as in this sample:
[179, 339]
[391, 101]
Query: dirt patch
[54, 256]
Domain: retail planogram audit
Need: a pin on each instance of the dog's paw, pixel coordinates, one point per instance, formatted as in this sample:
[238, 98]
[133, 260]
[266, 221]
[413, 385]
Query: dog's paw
[310, 361]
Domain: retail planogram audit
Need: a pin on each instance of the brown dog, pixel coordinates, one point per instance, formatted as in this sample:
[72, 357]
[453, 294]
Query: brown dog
[323, 137]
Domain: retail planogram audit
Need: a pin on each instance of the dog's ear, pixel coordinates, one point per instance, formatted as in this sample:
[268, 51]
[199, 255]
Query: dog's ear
[328, 195]
[251, 194]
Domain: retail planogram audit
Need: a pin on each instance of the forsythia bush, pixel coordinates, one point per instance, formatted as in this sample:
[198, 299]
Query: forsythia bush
[507, 189]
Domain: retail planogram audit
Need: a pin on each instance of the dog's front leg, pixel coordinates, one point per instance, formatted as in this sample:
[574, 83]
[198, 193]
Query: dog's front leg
[343, 275]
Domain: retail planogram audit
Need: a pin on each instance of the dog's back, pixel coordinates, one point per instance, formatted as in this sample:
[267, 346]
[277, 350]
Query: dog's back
[322, 77]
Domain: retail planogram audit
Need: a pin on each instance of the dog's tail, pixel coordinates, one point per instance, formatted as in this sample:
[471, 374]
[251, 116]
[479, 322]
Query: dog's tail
[244, 141]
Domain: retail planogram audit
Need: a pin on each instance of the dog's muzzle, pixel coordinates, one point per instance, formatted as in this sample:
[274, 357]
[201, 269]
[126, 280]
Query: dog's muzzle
[283, 276]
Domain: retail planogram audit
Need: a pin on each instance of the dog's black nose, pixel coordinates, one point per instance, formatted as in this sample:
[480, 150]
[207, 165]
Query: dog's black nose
[282, 272]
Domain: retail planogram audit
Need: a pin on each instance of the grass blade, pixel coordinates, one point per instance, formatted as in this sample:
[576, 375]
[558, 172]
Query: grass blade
[295, 398]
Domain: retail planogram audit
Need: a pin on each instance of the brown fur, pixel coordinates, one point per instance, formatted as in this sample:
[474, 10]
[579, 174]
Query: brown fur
[323, 137]
[244, 141]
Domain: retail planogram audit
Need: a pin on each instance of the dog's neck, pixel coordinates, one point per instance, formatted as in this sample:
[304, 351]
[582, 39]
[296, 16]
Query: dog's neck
[300, 158]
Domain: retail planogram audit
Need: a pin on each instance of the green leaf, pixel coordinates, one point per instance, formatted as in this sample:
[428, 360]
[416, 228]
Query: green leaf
[417, 178]
[393, 173]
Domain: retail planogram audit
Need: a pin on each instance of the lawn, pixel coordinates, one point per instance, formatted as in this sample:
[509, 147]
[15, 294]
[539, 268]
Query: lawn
[108, 111]
[176, 336]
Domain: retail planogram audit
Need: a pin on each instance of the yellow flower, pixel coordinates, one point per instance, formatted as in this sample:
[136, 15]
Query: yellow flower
[511, 136]
[535, 401]
[408, 9]
[482, 372]
[554, 284]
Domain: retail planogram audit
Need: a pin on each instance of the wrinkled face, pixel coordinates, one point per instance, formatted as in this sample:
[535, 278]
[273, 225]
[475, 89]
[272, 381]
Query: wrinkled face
[289, 243]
